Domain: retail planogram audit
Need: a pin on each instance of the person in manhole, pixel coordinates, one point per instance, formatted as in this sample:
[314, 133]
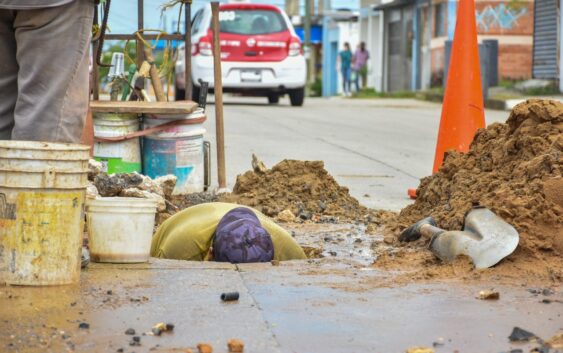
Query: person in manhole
[226, 233]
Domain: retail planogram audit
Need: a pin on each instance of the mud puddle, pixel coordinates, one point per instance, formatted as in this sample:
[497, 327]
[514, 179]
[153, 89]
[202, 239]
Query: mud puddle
[336, 241]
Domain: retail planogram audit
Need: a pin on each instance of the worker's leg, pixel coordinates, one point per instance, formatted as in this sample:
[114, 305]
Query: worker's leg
[8, 74]
[53, 56]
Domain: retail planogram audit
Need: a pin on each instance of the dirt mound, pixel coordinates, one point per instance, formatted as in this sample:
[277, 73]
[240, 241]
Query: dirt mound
[515, 170]
[304, 188]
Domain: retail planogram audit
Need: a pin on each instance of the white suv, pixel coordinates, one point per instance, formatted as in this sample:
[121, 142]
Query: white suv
[260, 53]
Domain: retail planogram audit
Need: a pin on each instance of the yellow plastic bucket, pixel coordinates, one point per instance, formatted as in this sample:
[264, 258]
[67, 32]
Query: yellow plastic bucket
[42, 191]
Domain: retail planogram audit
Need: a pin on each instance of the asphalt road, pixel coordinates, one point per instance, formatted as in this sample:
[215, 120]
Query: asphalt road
[378, 147]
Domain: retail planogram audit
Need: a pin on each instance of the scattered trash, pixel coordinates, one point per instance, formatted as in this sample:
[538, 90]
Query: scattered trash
[489, 295]
[235, 346]
[420, 350]
[83, 325]
[229, 296]
[204, 348]
[520, 335]
[161, 327]
[130, 331]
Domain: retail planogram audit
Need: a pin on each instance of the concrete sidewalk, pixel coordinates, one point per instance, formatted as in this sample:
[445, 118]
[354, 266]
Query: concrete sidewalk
[322, 305]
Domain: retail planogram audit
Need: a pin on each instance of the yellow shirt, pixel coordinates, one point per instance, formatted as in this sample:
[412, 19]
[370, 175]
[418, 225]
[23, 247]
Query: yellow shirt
[188, 235]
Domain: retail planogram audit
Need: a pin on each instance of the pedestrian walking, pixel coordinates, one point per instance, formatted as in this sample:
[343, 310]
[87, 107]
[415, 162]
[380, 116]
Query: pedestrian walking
[360, 67]
[44, 55]
[345, 58]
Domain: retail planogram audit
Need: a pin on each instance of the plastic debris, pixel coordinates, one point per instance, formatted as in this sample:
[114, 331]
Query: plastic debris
[488, 295]
[229, 296]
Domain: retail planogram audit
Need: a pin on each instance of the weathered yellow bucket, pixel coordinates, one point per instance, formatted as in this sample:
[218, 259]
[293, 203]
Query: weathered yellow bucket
[42, 190]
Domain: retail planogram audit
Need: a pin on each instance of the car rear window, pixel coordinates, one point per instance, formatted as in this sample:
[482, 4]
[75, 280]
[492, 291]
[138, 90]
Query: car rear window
[251, 22]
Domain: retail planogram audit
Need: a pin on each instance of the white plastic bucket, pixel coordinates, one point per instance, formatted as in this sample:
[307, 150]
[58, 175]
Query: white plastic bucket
[120, 228]
[117, 157]
[42, 191]
[177, 150]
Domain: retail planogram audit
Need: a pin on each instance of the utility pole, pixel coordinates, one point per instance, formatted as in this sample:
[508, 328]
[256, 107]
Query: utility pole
[307, 32]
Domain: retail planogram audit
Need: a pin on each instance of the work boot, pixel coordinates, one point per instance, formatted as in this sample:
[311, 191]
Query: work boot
[413, 233]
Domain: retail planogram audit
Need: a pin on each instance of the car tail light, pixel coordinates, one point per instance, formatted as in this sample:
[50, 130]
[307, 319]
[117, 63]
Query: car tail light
[203, 47]
[294, 47]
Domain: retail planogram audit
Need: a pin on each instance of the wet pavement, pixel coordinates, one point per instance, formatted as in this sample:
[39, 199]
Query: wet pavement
[320, 305]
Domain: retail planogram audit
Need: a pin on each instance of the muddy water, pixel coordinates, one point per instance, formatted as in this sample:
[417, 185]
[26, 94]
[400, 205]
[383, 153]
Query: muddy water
[345, 242]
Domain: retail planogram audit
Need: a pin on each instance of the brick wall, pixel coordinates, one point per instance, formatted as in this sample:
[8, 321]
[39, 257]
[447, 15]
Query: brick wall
[515, 61]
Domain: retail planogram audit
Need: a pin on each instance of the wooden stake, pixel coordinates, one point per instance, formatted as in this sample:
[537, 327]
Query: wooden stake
[218, 89]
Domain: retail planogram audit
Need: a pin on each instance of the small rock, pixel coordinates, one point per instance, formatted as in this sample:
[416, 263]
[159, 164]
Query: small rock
[258, 165]
[167, 183]
[304, 215]
[286, 216]
[136, 341]
[109, 292]
[547, 291]
[358, 240]
[489, 295]
[91, 192]
[235, 346]
[204, 348]
[275, 263]
[120, 350]
[389, 239]
[84, 325]
[151, 186]
[520, 335]
[555, 341]
[322, 205]
[130, 331]
[333, 253]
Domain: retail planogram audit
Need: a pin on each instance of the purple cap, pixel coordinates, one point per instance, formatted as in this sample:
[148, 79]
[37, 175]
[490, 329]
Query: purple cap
[240, 238]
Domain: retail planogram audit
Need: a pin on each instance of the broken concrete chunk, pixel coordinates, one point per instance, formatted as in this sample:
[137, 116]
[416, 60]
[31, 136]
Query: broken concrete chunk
[167, 183]
[555, 341]
[151, 186]
[143, 194]
[109, 186]
[91, 192]
[489, 295]
[258, 166]
[94, 168]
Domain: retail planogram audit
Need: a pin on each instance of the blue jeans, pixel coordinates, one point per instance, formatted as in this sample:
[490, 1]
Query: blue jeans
[346, 72]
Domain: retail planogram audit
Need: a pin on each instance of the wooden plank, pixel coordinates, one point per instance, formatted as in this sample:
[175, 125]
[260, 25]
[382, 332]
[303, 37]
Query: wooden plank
[140, 107]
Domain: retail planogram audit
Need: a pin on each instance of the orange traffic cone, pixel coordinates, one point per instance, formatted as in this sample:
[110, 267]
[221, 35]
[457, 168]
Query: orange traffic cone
[462, 109]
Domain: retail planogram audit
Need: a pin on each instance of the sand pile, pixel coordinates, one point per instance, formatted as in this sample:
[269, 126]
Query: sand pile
[296, 189]
[515, 169]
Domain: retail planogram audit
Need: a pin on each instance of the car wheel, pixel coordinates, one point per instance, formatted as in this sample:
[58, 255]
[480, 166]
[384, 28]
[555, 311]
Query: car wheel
[297, 96]
[273, 98]
[179, 94]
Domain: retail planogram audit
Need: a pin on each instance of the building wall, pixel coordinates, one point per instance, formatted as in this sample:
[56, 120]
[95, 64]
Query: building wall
[509, 22]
